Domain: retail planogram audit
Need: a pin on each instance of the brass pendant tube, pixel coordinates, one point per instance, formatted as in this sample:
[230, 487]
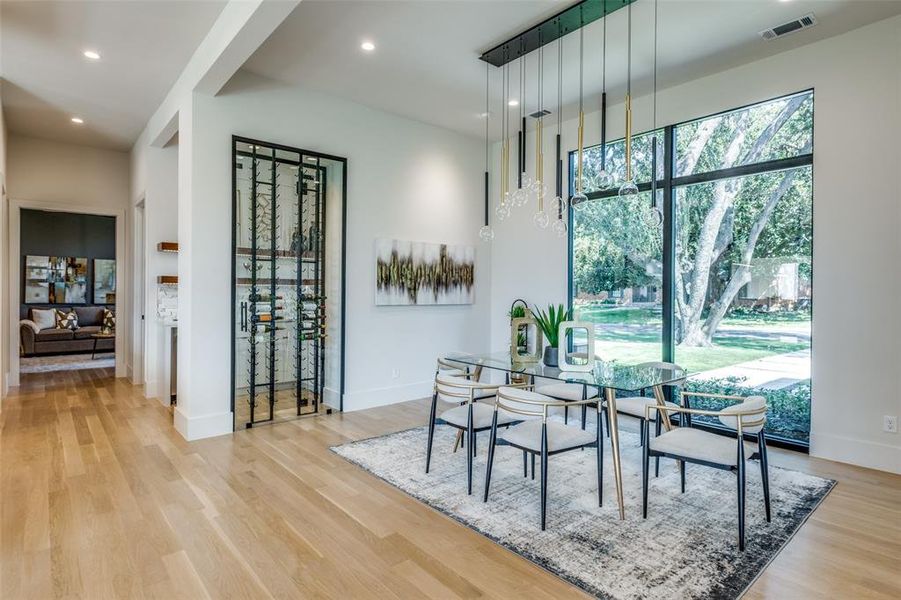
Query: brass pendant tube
[539, 160]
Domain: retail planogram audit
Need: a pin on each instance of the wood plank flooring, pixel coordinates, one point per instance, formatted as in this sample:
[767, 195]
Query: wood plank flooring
[101, 498]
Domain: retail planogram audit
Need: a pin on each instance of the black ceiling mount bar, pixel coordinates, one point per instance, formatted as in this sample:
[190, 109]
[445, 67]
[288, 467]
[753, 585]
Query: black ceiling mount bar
[571, 19]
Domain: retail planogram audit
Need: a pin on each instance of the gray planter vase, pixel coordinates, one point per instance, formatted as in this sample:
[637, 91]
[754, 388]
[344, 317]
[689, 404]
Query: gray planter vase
[550, 356]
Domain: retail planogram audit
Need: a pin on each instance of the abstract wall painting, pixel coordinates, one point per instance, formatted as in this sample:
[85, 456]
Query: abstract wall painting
[55, 280]
[422, 273]
[104, 281]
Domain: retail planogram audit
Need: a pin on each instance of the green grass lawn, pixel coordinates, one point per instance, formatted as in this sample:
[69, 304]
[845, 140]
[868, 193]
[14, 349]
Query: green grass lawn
[629, 346]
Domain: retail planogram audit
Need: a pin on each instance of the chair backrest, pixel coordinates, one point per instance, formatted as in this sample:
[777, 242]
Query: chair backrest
[524, 402]
[752, 422]
[453, 388]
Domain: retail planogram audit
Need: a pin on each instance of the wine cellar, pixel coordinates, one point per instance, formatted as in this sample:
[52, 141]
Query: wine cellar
[279, 282]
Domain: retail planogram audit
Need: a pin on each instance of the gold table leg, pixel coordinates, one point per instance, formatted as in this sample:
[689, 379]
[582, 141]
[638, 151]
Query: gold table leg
[610, 395]
[660, 398]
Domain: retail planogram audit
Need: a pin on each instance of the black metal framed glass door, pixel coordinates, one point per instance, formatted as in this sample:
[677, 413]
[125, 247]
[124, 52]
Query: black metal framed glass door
[280, 305]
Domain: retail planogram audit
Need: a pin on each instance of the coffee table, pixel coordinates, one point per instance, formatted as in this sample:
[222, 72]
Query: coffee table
[97, 337]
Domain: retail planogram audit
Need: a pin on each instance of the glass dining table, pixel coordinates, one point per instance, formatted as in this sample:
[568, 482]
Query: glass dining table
[609, 377]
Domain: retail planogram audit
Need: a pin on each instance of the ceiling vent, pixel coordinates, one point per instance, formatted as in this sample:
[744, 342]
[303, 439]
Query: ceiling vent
[804, 22]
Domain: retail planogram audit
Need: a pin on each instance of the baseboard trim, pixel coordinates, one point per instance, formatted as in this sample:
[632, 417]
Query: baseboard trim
[863, 453]
[389, 395]
[204, 426]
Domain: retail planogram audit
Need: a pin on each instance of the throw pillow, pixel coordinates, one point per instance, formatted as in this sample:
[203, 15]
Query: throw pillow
[45, 318]
[109, 321]
[66, 320]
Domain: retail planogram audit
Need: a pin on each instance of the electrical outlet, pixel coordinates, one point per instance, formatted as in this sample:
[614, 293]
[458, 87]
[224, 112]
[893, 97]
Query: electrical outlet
[890, 423]
[395, 373]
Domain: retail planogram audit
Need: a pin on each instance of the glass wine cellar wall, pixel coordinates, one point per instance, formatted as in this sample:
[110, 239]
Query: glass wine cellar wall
[282, 308]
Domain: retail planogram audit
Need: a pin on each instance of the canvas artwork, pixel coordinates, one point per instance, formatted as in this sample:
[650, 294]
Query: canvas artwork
[55, 280]
[104, 281]
[417, 273]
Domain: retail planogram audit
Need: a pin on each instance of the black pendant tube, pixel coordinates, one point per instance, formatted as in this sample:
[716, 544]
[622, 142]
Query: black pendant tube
[653, 172]
[519, 152]
[522, 159]
[486, 197]
[559, 170]
[604, 131]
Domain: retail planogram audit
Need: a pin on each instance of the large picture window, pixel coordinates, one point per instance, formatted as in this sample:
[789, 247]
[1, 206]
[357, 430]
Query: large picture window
[723, 285]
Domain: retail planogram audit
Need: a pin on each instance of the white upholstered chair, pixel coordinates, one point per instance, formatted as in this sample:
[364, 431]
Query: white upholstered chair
[728, 452]
[569, 392]
[471, 415]
[538, 436]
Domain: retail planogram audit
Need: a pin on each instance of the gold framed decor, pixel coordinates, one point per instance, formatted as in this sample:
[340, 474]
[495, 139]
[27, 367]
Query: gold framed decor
[526, 340]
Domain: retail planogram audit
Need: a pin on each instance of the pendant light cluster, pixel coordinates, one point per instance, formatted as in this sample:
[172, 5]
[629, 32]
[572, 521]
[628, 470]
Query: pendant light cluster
[535, 187]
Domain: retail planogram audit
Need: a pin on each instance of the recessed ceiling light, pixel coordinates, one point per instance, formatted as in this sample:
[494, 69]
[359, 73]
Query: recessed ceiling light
[367, 46]
[93, 55]
[513, 102]
[78, 120]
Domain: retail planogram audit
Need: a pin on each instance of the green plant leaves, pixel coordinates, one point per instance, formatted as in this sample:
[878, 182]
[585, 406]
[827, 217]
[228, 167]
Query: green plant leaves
[549, 321]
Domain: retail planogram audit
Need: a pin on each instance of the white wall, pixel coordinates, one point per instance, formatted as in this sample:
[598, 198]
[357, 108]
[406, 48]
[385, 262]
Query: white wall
[59, 176]
[4, 281]
[405, 179]
[857, 216]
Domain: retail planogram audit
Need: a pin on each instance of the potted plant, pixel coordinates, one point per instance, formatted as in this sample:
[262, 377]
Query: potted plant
[518, 311]
[549, 322]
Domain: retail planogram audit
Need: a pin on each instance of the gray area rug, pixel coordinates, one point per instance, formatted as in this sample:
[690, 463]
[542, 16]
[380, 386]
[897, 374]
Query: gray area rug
[66, 362]
[687, 547]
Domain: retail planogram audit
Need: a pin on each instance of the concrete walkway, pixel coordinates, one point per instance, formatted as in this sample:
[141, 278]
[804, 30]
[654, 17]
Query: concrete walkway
[775, 372]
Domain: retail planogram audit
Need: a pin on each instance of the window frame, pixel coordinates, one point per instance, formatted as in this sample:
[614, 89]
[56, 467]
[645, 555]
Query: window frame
[669, 183]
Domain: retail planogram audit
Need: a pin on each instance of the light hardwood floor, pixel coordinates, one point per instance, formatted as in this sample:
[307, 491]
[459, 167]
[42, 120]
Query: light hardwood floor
[101, 498]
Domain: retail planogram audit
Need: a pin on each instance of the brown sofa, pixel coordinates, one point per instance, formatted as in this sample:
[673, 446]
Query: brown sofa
[59, 341]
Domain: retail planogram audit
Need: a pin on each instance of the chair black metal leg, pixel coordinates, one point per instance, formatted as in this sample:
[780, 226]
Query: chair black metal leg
[645, 465]
[475, 443]
[600, 451]
[566, 415]
[469, 452]
[491, 443]
[543, 475]
[533, 467]
[584, 415]
[428, 451]
[525, 464]
[682, 474]
[657, 458]
[641, 431]
[606, 421]
[741, 494]
[764, 472]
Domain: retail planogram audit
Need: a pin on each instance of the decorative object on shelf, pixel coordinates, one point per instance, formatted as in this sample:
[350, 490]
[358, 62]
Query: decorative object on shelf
[579, 197]
[549, 322]
[416, 273]
[628, 188]
[576, 361]
[167, 279]
[167, 247]
[104, 281]
[525, 335]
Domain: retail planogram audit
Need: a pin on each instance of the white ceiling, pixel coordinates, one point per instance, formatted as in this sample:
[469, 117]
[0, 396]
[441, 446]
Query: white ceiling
[425, 66]
[46, 80]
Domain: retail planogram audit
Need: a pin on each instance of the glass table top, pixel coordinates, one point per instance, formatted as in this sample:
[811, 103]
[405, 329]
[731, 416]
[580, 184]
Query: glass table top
[604, 374]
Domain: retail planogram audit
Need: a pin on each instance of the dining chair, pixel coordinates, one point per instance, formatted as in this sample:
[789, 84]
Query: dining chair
[471, 415]
[570, 392]
[447, 366]
[536, 435]
[690, 444]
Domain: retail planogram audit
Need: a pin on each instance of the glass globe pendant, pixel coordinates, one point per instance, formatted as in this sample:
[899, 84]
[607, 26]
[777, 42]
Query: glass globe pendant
[628, 188]
[502, 212]
[486, 233]
[559, 227]
[541, 219]
[605, 180]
